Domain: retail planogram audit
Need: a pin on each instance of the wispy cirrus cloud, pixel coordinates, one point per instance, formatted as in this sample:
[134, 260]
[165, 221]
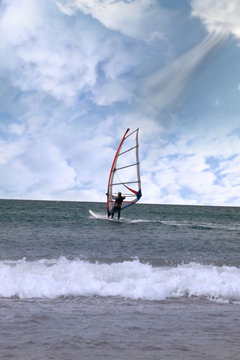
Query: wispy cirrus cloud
[166, 86]
[218, 16]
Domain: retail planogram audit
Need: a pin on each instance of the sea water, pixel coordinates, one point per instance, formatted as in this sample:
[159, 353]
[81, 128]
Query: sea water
[163, 283]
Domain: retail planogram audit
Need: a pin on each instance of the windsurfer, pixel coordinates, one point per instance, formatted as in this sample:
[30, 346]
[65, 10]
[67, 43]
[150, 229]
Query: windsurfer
[118, 204]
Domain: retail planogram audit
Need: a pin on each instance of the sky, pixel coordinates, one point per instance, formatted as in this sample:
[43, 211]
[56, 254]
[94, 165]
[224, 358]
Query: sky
[75, 74]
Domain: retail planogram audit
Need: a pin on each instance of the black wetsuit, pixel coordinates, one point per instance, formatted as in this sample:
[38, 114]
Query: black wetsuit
[117, 206]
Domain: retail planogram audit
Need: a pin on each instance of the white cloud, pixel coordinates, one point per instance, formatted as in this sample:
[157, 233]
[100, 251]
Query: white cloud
[231, 172]
[132, 18]
[113, 91]
[218, 16]
[69, 160]
[34, 168]
[18, 21]
[9, 151]
[42, 51]
[58, 160]
[16, 129]
[181, 172]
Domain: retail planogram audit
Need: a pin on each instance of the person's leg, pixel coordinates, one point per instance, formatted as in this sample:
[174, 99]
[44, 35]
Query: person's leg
[119, 210]
[113, 211]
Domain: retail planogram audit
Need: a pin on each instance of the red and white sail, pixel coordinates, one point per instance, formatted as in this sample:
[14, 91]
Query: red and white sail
[124, 175]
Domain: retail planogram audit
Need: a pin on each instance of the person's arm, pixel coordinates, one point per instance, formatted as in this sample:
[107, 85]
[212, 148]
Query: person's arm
[113, 197]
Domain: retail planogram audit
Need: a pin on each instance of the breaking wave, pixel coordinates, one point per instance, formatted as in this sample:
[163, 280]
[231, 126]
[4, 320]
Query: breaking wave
[128, 279]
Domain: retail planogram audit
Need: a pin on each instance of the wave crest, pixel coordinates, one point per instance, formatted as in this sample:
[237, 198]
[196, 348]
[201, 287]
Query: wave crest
[129, 279]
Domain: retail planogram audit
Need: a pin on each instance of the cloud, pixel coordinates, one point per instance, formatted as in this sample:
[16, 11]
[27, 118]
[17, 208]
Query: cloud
[200, 167]
[218, 16]
[9, 151]
[35, 168]
[59, 58]
[57, 159]
[135, 18]
[113, 91]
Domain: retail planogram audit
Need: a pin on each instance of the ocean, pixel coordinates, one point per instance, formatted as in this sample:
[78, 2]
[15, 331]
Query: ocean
[163, 283]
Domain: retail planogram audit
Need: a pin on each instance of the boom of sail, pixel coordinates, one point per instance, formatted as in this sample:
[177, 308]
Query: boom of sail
[124, 175]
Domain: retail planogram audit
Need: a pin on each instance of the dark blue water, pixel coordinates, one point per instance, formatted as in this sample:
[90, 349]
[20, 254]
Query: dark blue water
[163, 283]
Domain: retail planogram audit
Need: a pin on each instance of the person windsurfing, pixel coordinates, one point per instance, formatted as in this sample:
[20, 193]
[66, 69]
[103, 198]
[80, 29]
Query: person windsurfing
[118, 204]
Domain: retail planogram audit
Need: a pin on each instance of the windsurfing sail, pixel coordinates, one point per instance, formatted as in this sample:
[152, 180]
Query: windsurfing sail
[124, 175]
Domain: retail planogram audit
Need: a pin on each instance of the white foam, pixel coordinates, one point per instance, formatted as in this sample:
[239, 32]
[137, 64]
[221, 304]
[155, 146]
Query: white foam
[130, 279]
[203, 225]
[103, 216]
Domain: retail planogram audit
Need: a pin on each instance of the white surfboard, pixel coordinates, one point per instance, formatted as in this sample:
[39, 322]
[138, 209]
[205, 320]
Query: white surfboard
[100, 216]
[94, 214]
